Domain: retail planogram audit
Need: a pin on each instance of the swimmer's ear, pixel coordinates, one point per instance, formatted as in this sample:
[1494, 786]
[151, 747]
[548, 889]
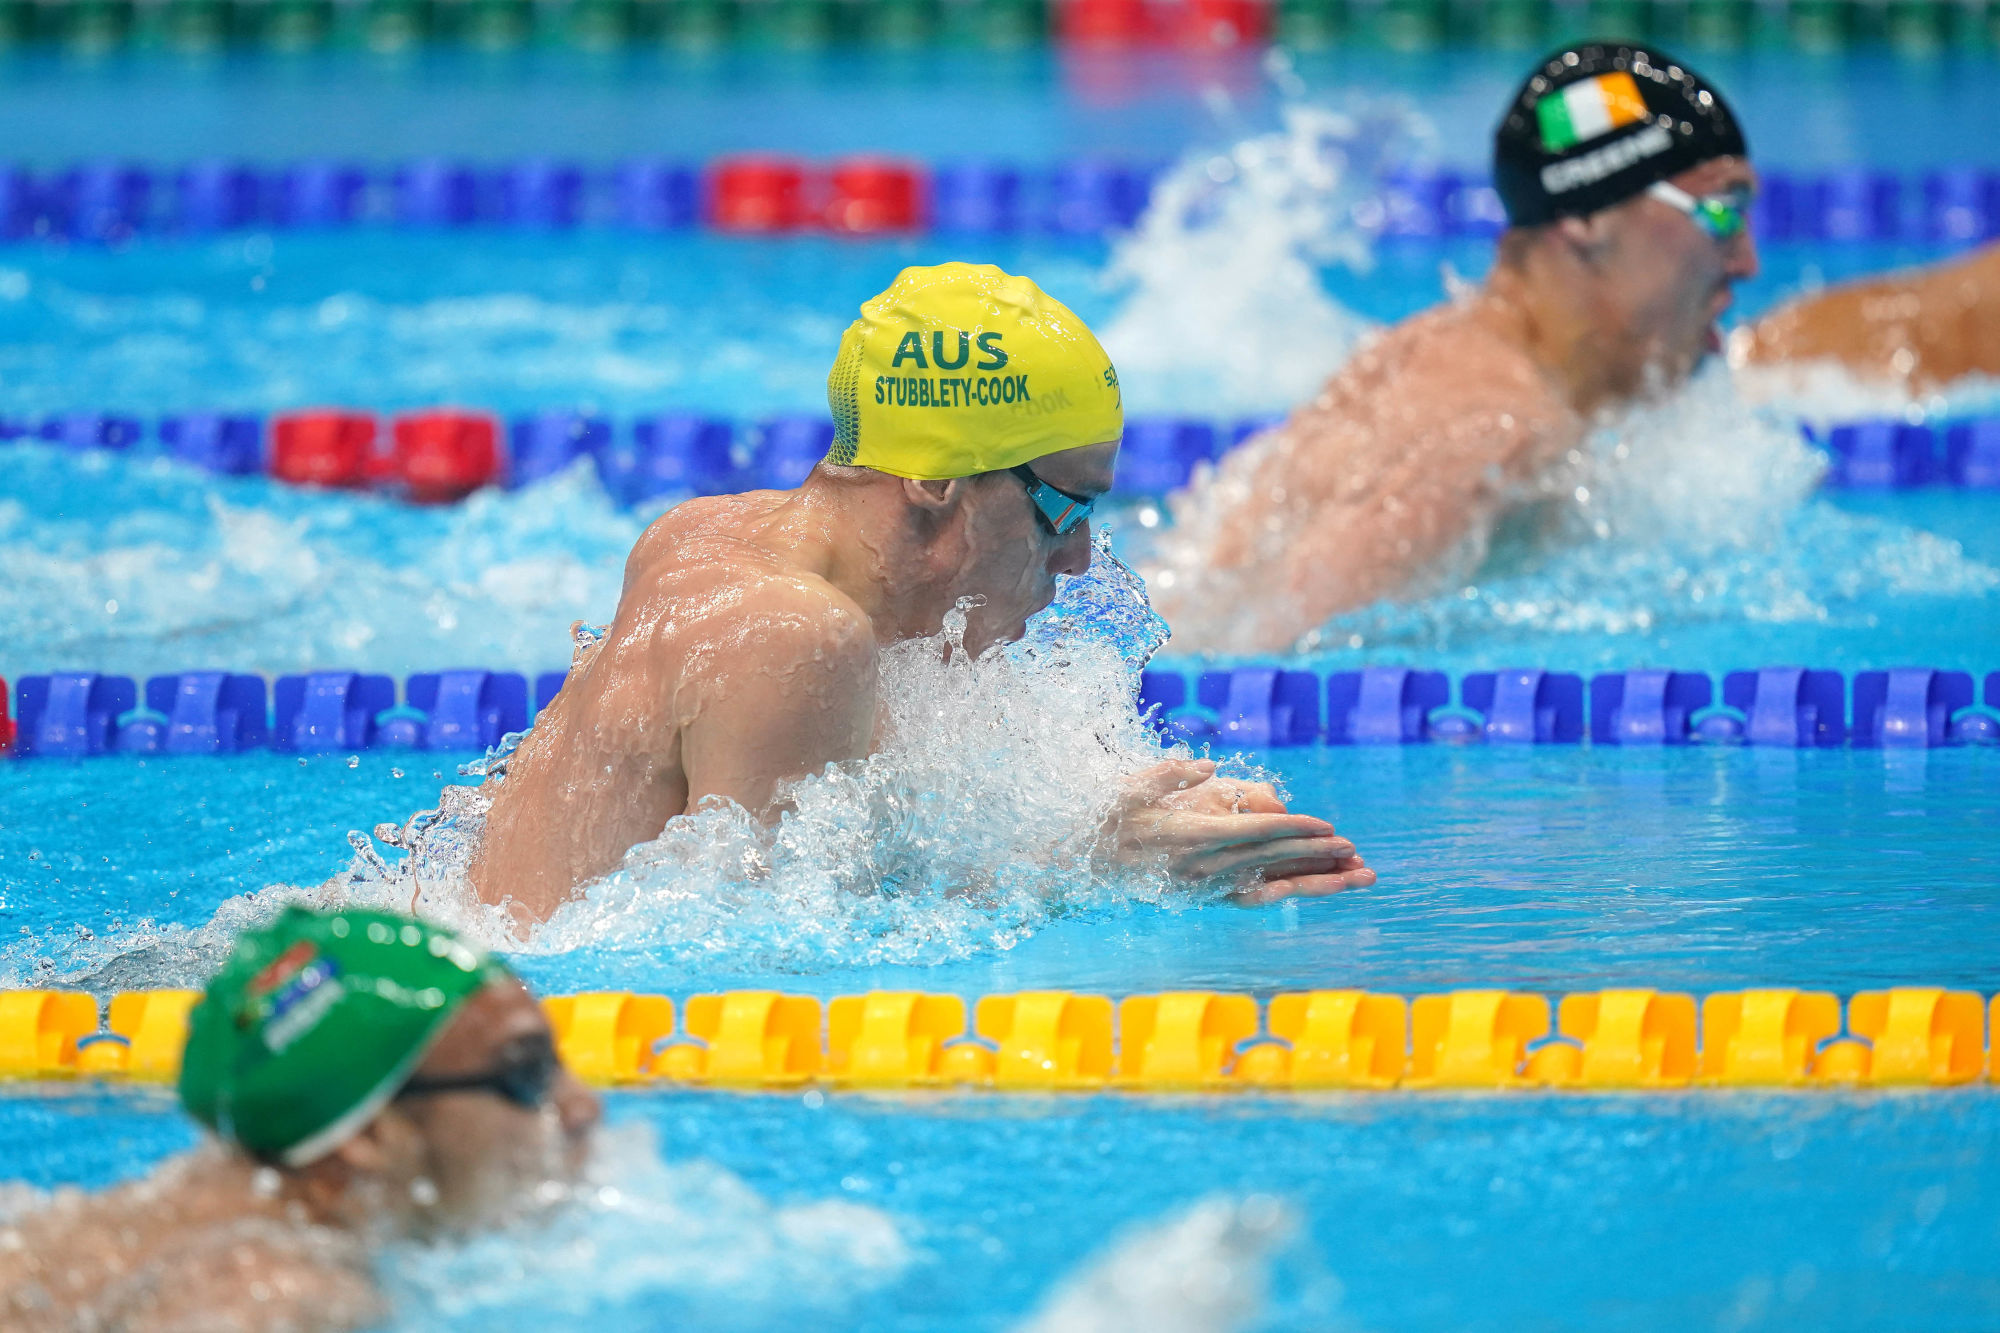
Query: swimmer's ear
[386, 1145]
[940, 496]
[1586, 235]
[367, 1153]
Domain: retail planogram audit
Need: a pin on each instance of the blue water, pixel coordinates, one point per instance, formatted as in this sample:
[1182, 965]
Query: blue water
[1550, 870]
[1841, 1212]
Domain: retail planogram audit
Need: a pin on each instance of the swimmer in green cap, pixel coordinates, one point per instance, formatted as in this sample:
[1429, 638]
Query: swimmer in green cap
[370, 1077]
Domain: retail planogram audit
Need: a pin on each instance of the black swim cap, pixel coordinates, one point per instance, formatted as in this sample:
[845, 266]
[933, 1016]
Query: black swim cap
[1594, 125]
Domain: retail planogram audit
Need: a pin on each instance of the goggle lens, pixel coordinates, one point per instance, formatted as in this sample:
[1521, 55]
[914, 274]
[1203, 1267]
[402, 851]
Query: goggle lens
[1721, 216]
[1060, 512]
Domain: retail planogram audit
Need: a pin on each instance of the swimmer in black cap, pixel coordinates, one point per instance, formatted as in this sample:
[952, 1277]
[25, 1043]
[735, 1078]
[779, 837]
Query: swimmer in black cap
[1627, 185]
[1627, 182]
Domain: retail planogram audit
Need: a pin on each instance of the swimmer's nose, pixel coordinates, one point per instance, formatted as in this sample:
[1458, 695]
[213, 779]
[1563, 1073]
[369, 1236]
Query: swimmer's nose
[1072, 553]
[1742, 261]
[577, 1106]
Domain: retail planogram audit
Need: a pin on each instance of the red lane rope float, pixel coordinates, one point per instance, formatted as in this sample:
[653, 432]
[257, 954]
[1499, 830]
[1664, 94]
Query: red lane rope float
[324, 447]
[869, 195]
[446, 455]
[758, 194]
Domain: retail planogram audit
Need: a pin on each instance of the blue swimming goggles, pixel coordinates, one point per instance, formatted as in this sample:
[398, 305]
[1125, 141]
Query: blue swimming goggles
[1722, 216]
[1060, 512]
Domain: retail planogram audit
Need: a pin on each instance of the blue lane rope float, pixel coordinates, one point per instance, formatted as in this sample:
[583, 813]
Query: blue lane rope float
[82, 714]
[113, 202]
[453, 452]
[1628, 1039]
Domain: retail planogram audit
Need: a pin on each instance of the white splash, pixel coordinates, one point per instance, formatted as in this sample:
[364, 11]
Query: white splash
[1697, 508]
[157, 568]
[641, 1229]
[1205, 1269]
[1224, 310]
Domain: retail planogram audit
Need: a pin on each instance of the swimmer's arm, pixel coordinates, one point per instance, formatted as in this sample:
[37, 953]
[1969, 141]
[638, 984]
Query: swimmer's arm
[794, 691]
[1928, 326]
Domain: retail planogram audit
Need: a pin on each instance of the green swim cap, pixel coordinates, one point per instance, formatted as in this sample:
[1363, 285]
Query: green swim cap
[315, 1021]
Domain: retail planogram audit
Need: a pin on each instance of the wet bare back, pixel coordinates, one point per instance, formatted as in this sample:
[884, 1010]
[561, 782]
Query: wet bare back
[196, 1247]
[731, 659]
[1403, 461]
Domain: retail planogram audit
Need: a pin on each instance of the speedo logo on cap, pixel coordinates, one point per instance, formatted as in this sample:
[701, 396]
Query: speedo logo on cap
[1583, 111]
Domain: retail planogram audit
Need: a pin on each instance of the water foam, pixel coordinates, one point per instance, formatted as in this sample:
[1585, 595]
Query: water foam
[1223, 310]
[639, 1230]
[139, 565]
[1698, 509]
[974, 825]
[1203, 1269]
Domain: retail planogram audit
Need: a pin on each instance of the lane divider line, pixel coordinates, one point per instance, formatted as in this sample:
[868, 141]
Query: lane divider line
[1625, 1039]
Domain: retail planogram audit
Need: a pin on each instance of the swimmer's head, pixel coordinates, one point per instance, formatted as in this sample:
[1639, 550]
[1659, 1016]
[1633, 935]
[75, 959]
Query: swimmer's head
[959, 369]
[1634, 168]
[1000, 414]
[387, 1066]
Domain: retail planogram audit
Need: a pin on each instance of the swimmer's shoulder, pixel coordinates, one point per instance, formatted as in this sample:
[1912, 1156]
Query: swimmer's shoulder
[1447, 366]
[708, 529]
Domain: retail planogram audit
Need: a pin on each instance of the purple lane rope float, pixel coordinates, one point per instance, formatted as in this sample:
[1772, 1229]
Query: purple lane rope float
[80, 714]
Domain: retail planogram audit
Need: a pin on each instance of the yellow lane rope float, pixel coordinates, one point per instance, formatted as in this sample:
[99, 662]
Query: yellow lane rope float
[1047, 1041]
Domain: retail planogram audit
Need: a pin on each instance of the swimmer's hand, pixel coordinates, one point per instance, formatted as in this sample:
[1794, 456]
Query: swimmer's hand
[1206, 827]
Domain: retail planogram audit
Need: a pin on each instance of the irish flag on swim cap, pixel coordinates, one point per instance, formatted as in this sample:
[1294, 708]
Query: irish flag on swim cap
[1582, 111]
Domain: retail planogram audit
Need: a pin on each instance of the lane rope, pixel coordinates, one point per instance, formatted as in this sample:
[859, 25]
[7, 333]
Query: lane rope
[1630, 1039]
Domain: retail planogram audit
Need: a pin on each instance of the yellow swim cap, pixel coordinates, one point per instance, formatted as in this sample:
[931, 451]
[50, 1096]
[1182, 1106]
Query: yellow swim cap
[961, 369]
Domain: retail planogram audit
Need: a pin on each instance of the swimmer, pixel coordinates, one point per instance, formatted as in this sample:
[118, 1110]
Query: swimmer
[978, 423]
[1627, 185]
[1626, 181]
[369, 1077]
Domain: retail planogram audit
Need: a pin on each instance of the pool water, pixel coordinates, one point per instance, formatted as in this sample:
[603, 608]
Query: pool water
[1703, 543]
[1548, 870]
[1553, 869]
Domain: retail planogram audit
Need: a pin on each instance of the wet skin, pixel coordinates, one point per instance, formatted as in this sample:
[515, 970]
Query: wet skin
[214, 1242]
[744, 654]
[1919, 330]
[1391, 481]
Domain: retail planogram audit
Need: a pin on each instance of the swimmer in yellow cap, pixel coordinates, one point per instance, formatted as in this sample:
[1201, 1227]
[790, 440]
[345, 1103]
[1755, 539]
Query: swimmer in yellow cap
[978, 422]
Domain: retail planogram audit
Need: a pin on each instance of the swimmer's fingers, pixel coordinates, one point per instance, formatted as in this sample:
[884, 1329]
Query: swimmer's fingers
[1163, 779]
[1204, 832]
[1351, 874]
[1298, 886]
[1229, 796]
[1276, 857]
